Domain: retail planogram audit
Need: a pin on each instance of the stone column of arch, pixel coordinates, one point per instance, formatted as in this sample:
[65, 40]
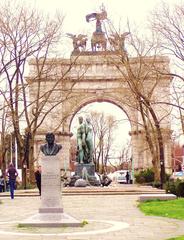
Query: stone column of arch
[141, 154]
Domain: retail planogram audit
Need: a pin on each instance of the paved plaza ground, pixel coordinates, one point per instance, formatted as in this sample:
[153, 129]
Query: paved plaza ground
[113, 216]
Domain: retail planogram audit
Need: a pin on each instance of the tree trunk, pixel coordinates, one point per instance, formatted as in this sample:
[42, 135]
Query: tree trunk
[31, 161]
[151, 144]
[160, 144]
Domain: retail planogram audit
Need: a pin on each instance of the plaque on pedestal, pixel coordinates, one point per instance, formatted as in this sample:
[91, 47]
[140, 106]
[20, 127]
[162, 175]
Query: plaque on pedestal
[51, 185]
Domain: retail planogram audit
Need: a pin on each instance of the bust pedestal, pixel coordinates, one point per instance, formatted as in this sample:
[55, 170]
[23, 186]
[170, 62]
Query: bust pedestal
[51, 211]
[51, 185]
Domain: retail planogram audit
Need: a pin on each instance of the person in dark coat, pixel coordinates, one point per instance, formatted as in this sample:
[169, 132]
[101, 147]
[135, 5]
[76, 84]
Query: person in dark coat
[38, 178]
[12, 174]
[2, 183]
[127, 177]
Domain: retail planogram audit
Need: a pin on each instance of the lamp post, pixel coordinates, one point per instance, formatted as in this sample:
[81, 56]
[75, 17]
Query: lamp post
[183, 158]
[173, 151]
[182, 144]
[132, 169]
[25, 176]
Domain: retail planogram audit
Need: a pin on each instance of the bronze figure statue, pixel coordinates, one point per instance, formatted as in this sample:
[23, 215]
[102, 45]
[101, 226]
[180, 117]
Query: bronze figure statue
[81, 141]
[84, 141]
[89, 139]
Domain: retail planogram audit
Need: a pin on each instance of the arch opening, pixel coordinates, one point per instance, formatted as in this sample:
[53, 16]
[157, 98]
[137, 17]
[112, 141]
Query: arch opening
[119, 142]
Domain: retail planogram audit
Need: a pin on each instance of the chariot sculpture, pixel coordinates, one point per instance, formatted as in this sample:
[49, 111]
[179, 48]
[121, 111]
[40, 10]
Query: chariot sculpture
[98, 40]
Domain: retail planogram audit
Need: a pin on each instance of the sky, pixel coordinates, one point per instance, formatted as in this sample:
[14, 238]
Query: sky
[119, 12]
[75, 10]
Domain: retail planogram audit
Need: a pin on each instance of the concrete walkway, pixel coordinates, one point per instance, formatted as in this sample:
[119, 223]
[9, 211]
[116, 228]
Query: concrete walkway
[109, 217]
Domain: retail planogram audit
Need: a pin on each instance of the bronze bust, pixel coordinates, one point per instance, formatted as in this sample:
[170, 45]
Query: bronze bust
[50, 148]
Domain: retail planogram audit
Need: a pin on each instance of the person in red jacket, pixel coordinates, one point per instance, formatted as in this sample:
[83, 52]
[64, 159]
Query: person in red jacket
[12, 174]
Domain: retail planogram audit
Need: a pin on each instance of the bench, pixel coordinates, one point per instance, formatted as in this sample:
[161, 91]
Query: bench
[146, 197]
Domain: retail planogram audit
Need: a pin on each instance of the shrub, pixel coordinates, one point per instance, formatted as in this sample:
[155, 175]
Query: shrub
[156, 184]
[175, 187]
[170, 187]
[180, 189]
[145, 176]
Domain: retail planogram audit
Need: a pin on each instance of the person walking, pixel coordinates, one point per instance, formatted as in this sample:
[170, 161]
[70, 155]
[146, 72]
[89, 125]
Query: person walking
[38, 179]
[127, 177]
[12, 174]
[2, 188]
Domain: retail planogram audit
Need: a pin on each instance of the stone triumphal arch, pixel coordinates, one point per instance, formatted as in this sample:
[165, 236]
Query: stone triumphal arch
[60, 87]
[94, 77]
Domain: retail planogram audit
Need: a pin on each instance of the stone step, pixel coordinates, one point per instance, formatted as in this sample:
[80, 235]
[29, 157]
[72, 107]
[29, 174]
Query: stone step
[92, 191]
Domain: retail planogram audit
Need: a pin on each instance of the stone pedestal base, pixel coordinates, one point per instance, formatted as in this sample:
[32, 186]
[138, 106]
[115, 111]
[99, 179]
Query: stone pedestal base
[51, 185]
[85, 168]
[51, 220]
[85, 171]
[51, 211]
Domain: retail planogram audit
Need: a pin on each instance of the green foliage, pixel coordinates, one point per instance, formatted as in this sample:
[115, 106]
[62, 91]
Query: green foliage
[167, 208]
[175, 187]
[84, 222]
[177, 238]
[21, 225]
[145, 176]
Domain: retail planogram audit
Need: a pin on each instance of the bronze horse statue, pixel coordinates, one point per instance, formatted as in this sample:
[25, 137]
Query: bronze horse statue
[98, 42]
[117, 41]
[79, 41]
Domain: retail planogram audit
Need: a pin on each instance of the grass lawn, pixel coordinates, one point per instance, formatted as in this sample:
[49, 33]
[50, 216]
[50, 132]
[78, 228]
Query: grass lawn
[177, 238]
[170, 208]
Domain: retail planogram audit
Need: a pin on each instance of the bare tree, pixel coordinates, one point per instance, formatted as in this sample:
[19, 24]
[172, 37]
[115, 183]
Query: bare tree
[27, 34]
[167, 24]
[5, 138]
[137, 67]
[123, 158]
[103, 128]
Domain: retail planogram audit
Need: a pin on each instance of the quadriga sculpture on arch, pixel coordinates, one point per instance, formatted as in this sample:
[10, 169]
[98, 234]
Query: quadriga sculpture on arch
[79, 41]
[117, 41]
[98, 40]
